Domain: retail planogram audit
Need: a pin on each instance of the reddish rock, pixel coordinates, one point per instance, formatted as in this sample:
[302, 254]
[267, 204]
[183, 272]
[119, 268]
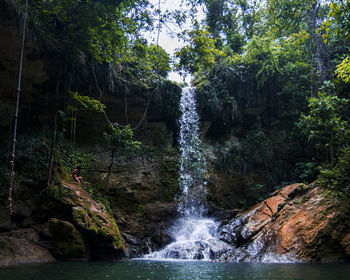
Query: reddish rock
[262, 213]
[298, 223]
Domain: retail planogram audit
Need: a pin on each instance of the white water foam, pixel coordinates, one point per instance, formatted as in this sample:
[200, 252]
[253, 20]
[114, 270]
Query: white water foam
[194, 240]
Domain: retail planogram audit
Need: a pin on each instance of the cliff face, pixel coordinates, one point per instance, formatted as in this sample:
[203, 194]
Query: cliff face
[33, 74]
[141, 189]
[296, 223]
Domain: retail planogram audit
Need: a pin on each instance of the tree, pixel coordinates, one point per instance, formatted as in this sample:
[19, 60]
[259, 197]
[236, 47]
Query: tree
[200, 53]
[100, 28]
[120, 142]
[324, 126]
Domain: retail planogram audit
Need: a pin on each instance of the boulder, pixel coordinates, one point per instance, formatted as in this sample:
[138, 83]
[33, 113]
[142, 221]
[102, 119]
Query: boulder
[297, 223]
[22, 246]
[92, 219]
[68, 242]
[247, 224]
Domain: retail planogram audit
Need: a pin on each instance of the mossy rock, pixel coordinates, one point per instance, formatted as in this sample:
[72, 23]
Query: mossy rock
[99, 224]
[68, 242]
[169, 179]
[91, 218]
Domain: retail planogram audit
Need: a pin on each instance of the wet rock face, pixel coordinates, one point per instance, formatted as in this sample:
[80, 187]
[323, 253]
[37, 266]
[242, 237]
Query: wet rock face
[297, 223]
[142, 195]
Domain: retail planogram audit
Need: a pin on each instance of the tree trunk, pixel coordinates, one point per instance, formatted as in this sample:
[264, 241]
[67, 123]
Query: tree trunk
[110, 169]
[319, 52]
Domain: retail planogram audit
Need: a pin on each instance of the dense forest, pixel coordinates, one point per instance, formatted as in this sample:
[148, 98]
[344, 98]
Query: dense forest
[272, 81]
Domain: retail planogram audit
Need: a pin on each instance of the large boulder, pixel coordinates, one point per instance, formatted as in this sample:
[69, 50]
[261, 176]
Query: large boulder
[68, 242]
[92, 219]
[297, 223]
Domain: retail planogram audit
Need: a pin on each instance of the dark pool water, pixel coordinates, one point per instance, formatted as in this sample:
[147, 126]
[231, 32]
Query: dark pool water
[144, 269]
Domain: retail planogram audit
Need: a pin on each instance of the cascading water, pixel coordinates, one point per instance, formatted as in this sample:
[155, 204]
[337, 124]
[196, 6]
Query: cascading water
[192, 162]
[194, 234]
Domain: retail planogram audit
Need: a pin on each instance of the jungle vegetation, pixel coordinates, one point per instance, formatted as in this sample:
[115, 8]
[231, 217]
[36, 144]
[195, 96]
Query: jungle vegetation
[261, 68]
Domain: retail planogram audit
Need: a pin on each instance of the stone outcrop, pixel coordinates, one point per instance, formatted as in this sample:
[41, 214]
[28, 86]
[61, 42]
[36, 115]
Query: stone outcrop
[68, 242]
[92, 219]
[141, 194]
[22, 246]
[298, 223]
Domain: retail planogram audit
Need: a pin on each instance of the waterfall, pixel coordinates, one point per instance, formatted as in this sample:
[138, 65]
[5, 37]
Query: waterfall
[192, 162]
[194, 234]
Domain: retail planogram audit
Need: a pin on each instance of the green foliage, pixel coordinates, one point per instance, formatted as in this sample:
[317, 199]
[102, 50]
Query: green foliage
[343, 70]
[120, 140]
[287, 17]
[324, 125]
[264, 53]
[337, 177]
[32, 160]
[146, 65]
[338, 20]
[86, 103]
[200, 52]
[257, 147]
[307, 171]
[70, 158]
[99, 28]
[234, 19]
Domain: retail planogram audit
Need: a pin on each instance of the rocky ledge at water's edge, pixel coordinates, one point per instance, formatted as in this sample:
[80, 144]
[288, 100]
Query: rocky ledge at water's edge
[79, 229]
[299, 223]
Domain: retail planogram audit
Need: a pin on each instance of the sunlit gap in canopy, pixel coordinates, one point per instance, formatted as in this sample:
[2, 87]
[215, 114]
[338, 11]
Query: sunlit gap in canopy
[168, 39]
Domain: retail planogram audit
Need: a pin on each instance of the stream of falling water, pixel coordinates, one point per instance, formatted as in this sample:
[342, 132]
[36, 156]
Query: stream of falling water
[194, 234]
[192, 202]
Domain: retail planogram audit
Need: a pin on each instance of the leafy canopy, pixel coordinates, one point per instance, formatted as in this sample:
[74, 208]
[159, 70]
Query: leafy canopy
[101, 28]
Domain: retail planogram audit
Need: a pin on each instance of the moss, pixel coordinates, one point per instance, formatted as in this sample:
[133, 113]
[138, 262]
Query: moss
[169, 182]
[58, 192]
[141, 209]
[94, 220]
[67, 240]
[100, 225]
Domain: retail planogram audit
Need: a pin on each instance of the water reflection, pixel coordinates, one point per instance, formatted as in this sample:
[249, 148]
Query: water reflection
[175, 270]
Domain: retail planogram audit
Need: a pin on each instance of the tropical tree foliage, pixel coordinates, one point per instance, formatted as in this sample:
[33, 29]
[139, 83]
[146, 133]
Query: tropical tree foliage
[282, 64]
[324, 125]
[101, 28]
